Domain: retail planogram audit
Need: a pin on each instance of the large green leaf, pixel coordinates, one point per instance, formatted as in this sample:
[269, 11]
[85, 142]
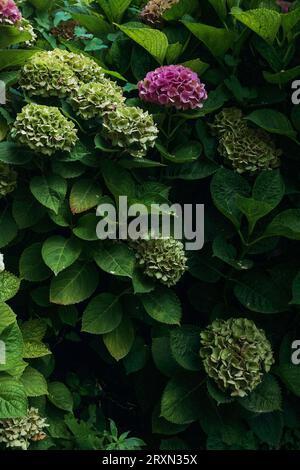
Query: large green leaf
[289, 374]
[12, 35]
[266, 397]
[259, 293]
[34, 382]
[264, 22]
[154, 41]
[74, 284]
[84, 195]
[185, 345]
[225, 186]
[102, 315]
[60, 396]
[14, 57]
[181, 400]
[114, 9]
[163, 305]
[115, 258]
[217, 40]
[273, 121]
[59, 253]
[9, 286]
[12, 338]
[180, 8]
[8, 227]
[31, 265]
[120, 340]
[285, 224]
[13, 401]
[50, 190]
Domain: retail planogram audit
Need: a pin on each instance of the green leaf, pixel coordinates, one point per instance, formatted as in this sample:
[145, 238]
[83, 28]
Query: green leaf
[162, 356]
[289, 374]
[183, 153]
[120, 340]
[285, 224]
[7, 316]
[60, 396]
[264, 22]
[13, 401]
[34, 329]
[154, 41]
[290, 19]
[74, 284]
[8, 227]
[102, 315]
[179, 9]
[161, 426]
[114, 9]
[26, 210]
[12, 338]
[34, 382]
[10, 35]
[266, 397]
[217, 40]
[31, 265]
[59, 253]
[200, 169]
[220, 7]
[282, 77]
[228, 253]
[268, 191]
[86, 227]
[85, 194]
[296, 290]
[185, 345]
[115, 258]
[181, 400]
[163, 305]
[15, 57]
[273, 121]
[259, 293]
[35, 349]
[94, 23]
[268, 427]
[9, 286]
[225, 186]
[14, 154]
[50, 190]
[118, 180]
[196, 65]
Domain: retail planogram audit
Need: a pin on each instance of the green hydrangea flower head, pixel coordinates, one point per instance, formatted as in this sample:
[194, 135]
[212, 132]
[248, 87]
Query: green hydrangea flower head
[45, 75]
[249, 150]
[85, 68]
[8, 179]
[44, 129]
[235, 354]
[18, 433]
[96, 99]
[228, 120]
[131, 129]
[161, 258]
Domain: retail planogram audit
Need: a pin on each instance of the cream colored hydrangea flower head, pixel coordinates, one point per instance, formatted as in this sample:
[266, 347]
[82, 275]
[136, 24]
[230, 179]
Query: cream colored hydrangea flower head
[246, 149]
[44, 129]
[18, 433]
[58, 73]
[236, 354]
[8, 179]
[154, 9]
[161, 258]
[131, 129]
[96, 99]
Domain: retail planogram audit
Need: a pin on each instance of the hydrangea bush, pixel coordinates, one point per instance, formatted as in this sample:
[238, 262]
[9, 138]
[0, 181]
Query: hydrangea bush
[163, 102]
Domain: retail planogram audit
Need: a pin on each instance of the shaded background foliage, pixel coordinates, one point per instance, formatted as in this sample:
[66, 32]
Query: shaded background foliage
[143, 370]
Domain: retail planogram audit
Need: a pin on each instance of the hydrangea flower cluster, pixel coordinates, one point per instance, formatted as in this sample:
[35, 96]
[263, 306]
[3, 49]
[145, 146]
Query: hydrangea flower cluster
[96, 99]
[8, 179]
[154, 9]
[173, 85]
[235, 354]
[131, 129]
[161, 258]
[16, 433]
[245, 148]
[44, 129]
[9, 12]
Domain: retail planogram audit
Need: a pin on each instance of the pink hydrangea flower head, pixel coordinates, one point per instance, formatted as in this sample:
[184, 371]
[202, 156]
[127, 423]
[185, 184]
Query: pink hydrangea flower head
[284, 5]
[173, 85]
[9, 12]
